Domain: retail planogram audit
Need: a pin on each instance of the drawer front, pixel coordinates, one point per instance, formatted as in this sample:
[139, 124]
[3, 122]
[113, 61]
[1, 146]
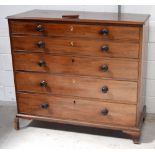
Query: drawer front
[48, 63]
[77, 109]
[119, 91]
[76, 46]
[76, 30]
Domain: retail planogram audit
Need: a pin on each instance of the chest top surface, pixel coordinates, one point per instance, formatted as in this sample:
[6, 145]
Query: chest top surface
[81, 17]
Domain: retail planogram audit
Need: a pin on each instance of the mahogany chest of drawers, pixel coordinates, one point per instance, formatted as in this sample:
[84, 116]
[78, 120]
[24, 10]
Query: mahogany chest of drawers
[80, 68]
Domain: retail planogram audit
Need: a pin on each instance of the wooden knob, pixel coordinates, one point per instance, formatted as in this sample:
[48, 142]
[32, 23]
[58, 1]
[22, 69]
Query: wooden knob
[41, 44]
[104, 111]
[105, 32]
[104, 68]
[42, 63]
[43, 83]
[105, 48]
[105, 89]
[44, 106]
[40, 28]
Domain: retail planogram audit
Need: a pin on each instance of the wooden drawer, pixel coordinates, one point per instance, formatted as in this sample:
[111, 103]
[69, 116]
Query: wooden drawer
[106, 68]
[118, 91]
[76, 46]
[77, 109]
[76, 30]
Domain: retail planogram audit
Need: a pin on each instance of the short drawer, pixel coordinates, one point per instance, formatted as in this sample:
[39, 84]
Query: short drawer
[77, 109]
[98, 67]
[76, 30]
[119, 91]
[75, 46]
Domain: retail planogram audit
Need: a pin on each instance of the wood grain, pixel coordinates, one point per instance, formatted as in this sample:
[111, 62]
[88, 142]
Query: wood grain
[77, 109]
[84, 17]
[119, 91]
[73, 56]
[75, 30]
[117, 68]
[142, 71]
[76, 46]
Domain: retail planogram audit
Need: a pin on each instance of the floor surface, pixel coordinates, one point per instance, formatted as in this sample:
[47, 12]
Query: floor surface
[36, 134]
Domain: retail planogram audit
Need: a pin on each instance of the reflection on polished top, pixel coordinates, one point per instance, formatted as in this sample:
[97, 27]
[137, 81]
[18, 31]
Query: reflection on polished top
[81, 16]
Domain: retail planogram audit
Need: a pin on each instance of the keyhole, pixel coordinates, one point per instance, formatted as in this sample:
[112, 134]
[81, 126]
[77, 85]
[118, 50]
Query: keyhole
[73, 60]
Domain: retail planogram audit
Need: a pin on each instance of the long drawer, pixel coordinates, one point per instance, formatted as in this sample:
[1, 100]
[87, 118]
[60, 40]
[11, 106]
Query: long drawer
[77, 109]
[76, 30]
[75, 46]
[105, 68]
[118, 91]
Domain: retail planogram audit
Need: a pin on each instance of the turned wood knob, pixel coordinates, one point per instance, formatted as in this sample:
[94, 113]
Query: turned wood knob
[104, 68]
[41, 44]
[40, 28]
[104, 111]
[44, 106]
[42, 63]
[43, 83]
[105, 89]
[105, 48]
[105, 32]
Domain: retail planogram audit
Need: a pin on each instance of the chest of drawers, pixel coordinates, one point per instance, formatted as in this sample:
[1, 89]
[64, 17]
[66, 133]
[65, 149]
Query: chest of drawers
[82, 68]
